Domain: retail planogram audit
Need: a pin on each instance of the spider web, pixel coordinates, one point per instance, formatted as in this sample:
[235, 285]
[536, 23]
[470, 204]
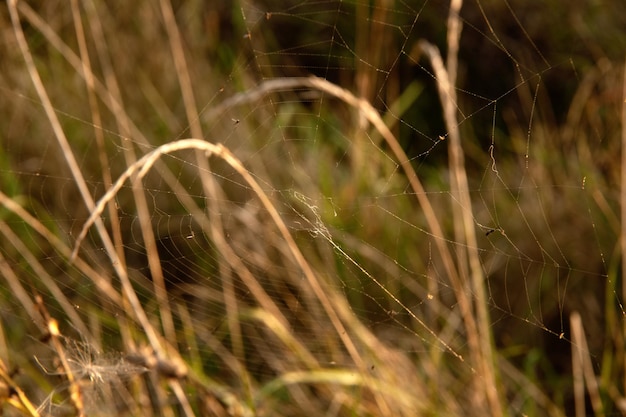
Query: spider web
[290, 91]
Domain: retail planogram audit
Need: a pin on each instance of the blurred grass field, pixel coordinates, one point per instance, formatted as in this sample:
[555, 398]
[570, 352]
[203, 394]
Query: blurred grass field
[350, 236]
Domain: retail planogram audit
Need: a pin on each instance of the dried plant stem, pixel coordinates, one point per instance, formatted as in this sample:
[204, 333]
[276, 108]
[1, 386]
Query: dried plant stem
[143, 165]
[111, 96]
[374, 118]
[209, 184]
[98, 132]
[76, 396]
[371, 115]
[182, 73]
[102, 285]
[19, 399]
[623, 215]
[208, 181]
[154, 263]
[45, 277]
[463, 214]
[16, 287]
[582, 366]
[80, 180]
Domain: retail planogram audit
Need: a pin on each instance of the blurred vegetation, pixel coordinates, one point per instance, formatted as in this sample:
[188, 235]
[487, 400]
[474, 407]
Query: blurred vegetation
[547, 221]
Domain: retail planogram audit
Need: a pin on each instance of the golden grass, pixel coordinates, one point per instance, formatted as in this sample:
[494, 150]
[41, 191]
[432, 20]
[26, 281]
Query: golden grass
[291, 285]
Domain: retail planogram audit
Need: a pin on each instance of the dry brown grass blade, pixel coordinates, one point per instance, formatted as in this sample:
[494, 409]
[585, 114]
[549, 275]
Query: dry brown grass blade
[208, 182]
[479, 333]
[80, 180]
[623, 212]
[140, 168]
[371, 115]
[374, 118]
[76, 395]
[102, 284]
[182, 73]
[17, 289]
[46, 279]
[583, 370]
[122, 120]
[19, 399]
[109, 94]
[143, 165]
[49, 109]
[478, 328]
[97, 121]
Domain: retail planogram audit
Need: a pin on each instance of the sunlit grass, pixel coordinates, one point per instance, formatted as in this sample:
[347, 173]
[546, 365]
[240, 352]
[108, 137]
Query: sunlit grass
[187, 242]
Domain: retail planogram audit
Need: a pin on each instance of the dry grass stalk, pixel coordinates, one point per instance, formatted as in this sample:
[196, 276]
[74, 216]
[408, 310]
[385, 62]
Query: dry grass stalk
[292, 363]
[623, 216]
[11, 390]
[582, 369]
[478, 328]
[76, 395]
[78, 177]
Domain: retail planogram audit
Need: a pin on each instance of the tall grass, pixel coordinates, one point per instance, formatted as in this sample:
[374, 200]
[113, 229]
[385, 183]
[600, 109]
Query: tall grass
[198, 243]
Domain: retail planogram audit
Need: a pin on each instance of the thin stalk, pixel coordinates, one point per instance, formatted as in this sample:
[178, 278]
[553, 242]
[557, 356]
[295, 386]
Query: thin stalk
[80, 180]
[278, 84]
[583, 372]
[623, 210]
[465, 231]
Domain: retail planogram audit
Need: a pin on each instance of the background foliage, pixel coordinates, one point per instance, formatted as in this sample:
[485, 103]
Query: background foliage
[368, 321]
